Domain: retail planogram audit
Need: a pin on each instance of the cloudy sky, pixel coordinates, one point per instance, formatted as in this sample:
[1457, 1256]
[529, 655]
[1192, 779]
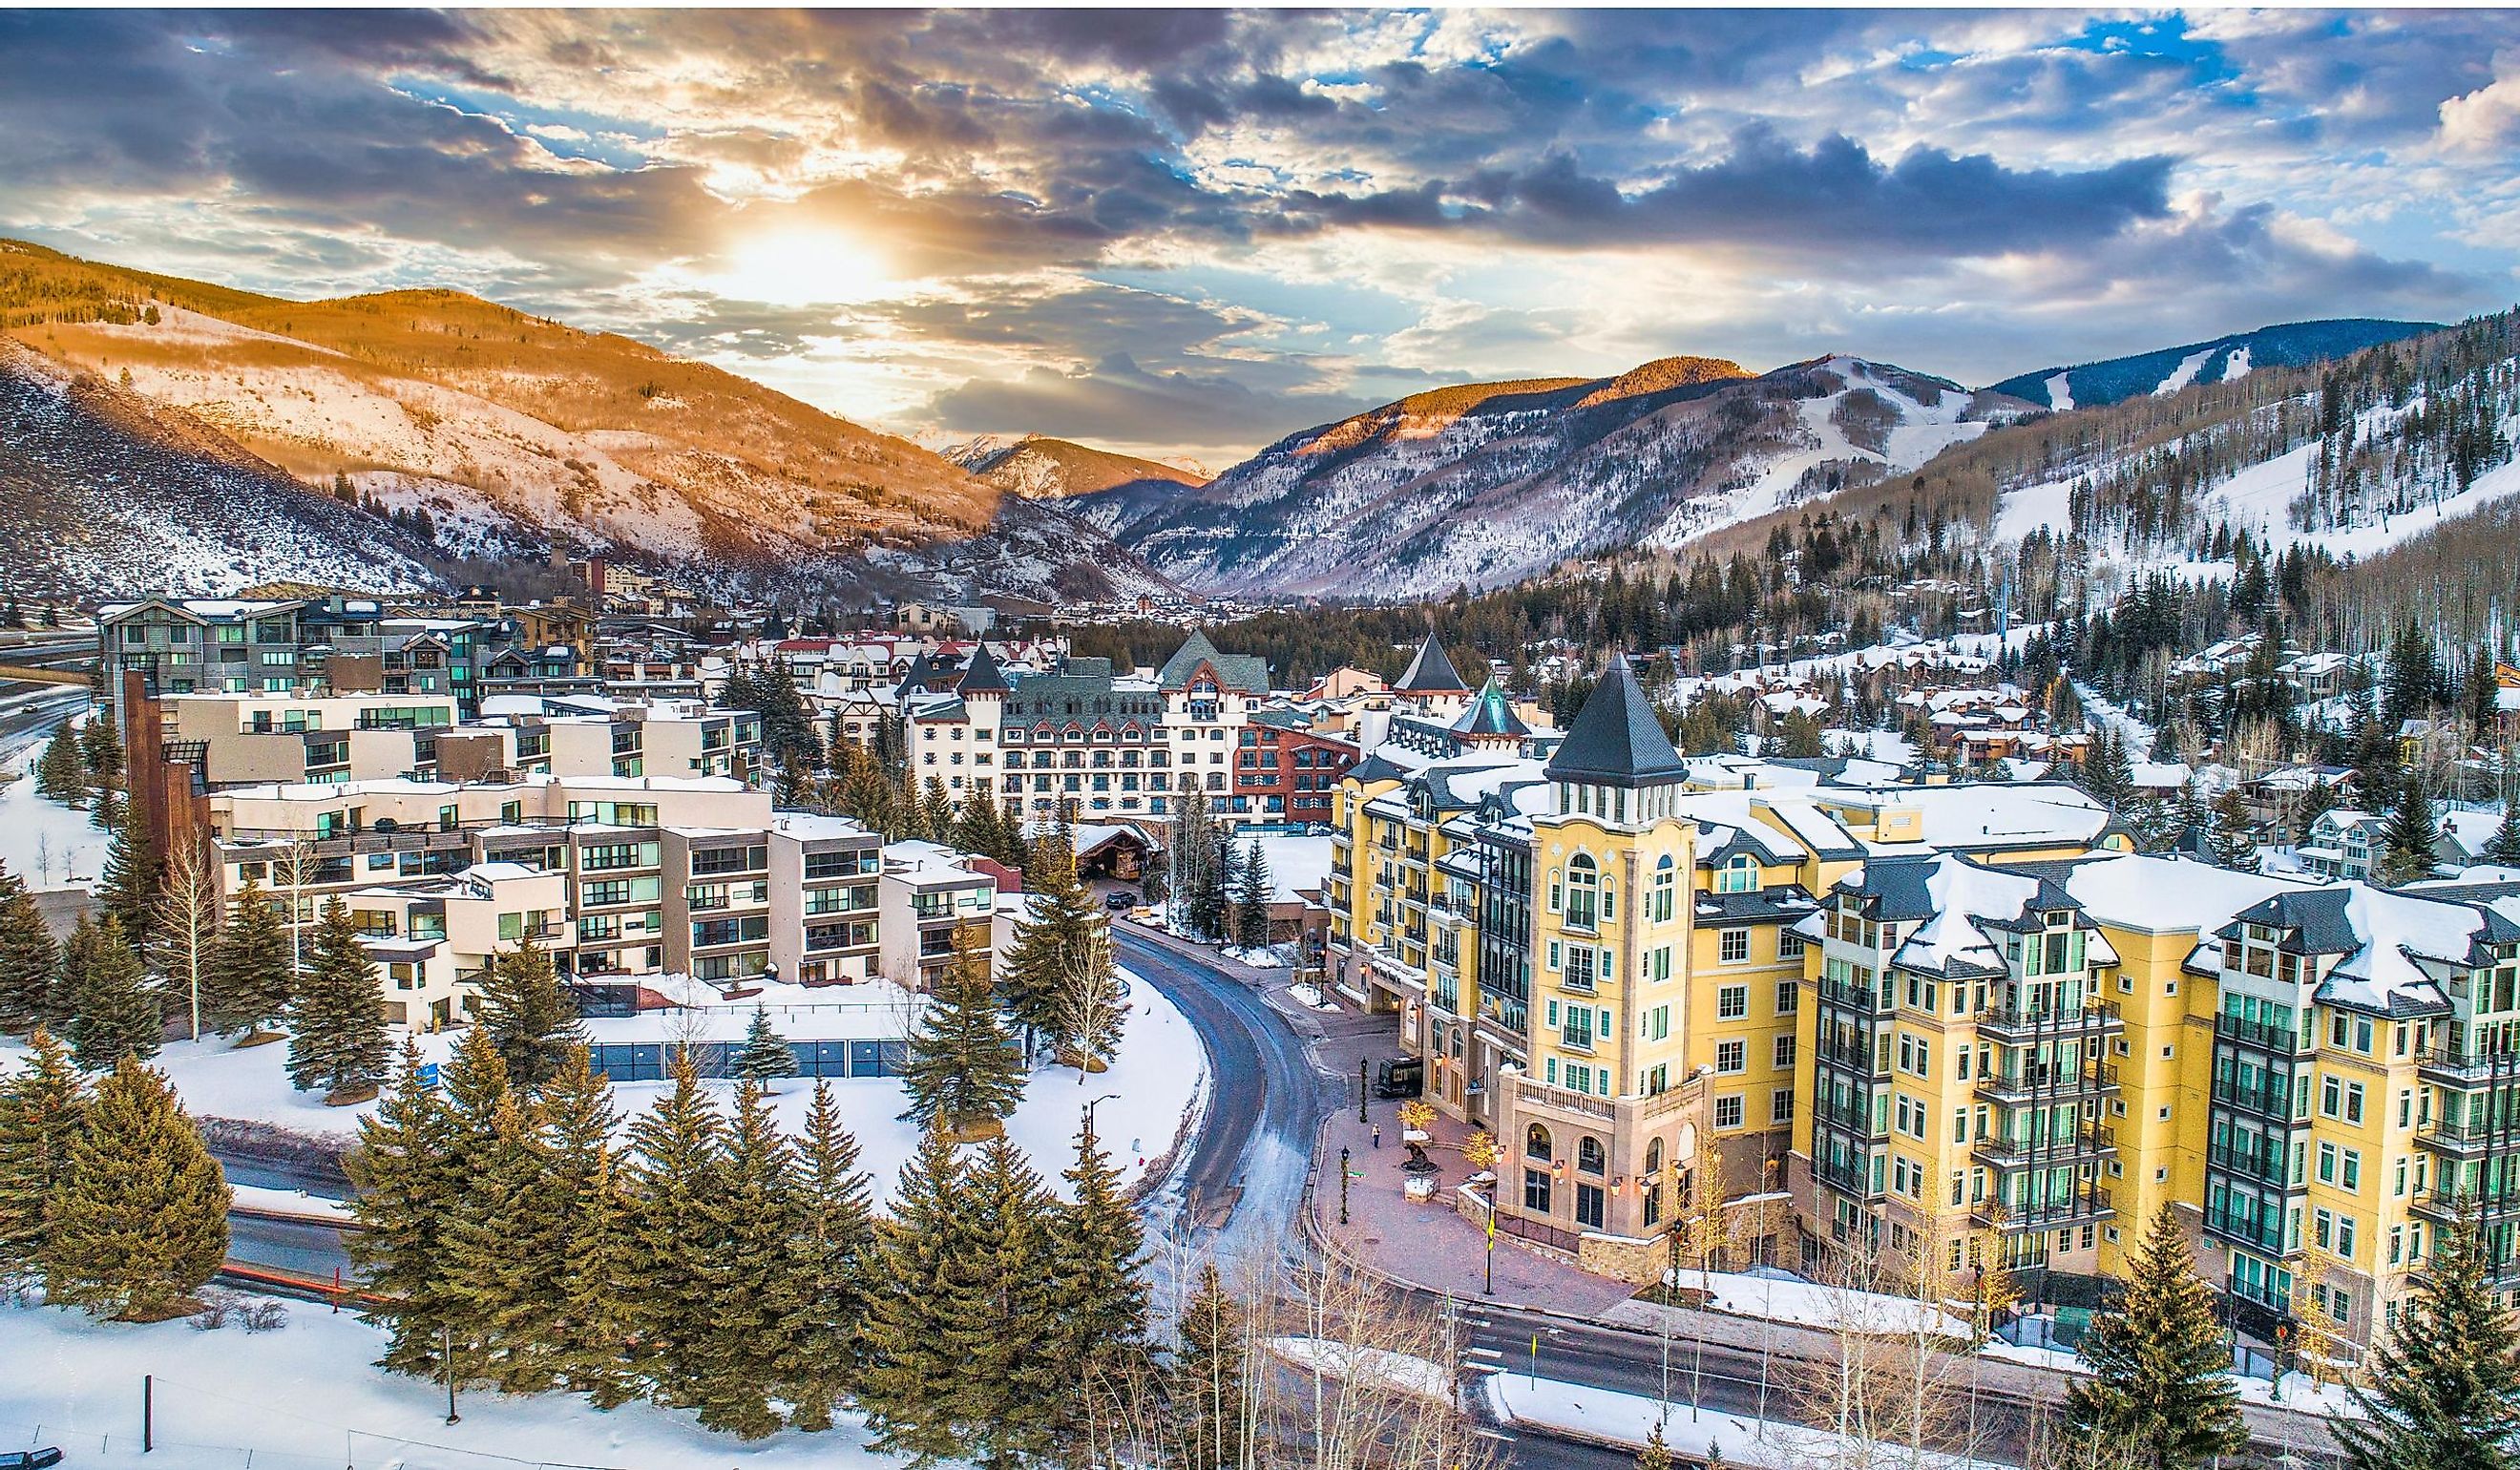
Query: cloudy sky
[1191, 232]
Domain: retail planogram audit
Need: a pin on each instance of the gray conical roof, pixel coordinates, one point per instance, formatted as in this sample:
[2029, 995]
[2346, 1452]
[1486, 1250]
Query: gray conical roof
[1615, 740]
[1490, 714]
[1430, 672]
[981, 675]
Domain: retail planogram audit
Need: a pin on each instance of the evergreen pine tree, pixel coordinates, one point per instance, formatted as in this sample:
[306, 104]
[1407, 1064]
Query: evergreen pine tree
[497, 1237]
[2106, 775]
[100, 751]
[2408, 838]
[410, 1175]
[914, 1373]
[1057, 933]
[750, 1347]
[824, 1286]
[249, 980]
[140, 1221]
[1003, 1279]
[2161, 1391]
[1251, 901]
[61, 773]
[2413, 681]
[1097, 1277]
[29, 958]
[43, 1107]
[581, 1331]
[764, 1056]
[134, 874]
[111, 1011]
[2236, 845]
[2502, 850]
[1211, 1386]
[336, 1019]
[962, 1075]
[1656, 1455]
[2446, 1378]
[674, 1219]
[529, 1014]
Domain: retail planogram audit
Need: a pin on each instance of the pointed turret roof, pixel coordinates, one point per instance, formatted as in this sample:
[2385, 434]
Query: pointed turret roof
[914, 681]
[982, 676]
[1491, 716]
[1430, 672]
[1615, 740]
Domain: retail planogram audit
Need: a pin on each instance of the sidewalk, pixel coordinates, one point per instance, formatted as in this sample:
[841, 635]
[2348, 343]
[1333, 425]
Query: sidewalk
[1430, 1244]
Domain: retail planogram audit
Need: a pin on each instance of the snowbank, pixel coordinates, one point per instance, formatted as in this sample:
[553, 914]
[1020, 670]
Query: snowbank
[1346, 1360]
[1787, 1299]
[44, 842]
[1612, 1418]
[304, 1398]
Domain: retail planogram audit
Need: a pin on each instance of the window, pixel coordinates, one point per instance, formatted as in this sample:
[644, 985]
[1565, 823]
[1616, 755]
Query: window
[1733, 946]
[1790, 944]
[1732, 1002]
[1731, 1056]
[1727, 1111]
[1534, 1190]
[1739, 875]
[1665, 883]
[1583, 893]
[1589, 1156]
[1536, 1143]
[1789, 997]
[1781, 1105]
[1590, 1200]
[1784, 1058]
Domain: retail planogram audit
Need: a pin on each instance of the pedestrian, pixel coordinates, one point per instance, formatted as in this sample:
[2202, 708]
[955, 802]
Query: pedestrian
[1377, 1135]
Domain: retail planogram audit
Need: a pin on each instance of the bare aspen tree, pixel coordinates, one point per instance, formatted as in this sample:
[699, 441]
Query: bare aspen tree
[1091, 1007]
[188, 925]
[1376, 1381]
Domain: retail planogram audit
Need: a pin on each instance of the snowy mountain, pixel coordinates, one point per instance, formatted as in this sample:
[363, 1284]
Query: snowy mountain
[2165, 372]
[2351, 457]
[1484, 483]
[108, 492]
[512, 430]
[1059, 469]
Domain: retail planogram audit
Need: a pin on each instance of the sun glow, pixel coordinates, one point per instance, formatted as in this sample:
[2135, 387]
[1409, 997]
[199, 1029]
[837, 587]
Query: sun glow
[802, 268]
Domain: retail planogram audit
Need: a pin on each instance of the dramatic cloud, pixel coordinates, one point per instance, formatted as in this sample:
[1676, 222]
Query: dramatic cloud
[1194, 231]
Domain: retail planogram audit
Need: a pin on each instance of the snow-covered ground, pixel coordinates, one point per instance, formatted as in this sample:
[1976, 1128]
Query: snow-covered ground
[1159, 1078]
[46, 843]
[304, 1398]
[1378, 1365]
[1612, 1418]
[1784, 1299]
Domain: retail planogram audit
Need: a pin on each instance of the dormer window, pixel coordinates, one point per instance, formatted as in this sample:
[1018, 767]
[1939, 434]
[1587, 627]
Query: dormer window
[1738, 874]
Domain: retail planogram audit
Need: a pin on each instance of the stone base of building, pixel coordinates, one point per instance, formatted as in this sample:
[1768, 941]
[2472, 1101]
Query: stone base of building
[1622, 1258]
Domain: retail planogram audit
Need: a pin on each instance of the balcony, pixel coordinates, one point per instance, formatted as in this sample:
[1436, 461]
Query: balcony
[1851, 1117]
[1861, 997]
[2470, 1140]
[2460, 1068]
[2089, 1143]
[2014, 1022]
[2274, 1104]
[2446, 1207]
[1531, 1094]
[2262, 1233]
[2285, 1041]
[1852, 1178]
[2085, 1205]
[2264, 1166]
[2047, 1084]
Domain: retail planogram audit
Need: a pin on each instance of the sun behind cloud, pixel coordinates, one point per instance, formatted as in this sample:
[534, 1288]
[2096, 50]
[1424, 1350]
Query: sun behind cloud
[800, 266]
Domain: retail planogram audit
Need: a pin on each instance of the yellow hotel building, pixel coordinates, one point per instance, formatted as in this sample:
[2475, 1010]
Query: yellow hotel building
[1927, 1013]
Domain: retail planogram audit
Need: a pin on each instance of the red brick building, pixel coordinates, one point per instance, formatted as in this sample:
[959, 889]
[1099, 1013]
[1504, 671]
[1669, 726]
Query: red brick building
[1287, 770]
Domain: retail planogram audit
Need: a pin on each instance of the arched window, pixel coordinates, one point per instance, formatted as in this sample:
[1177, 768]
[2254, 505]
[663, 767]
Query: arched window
[1535, 1142]
[1583, 893]
[1653, 1182]
[1740, 874]
[1591, 1156]
[1653, 1158]
[1666, 882]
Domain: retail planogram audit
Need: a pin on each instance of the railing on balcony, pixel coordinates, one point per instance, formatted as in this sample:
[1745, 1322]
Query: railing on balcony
[2444, 1134]
[2265, 1165]
[2443, 1062]
[2258, 1034]
[1853, 1176]
[2085, 1202]
[2260, 1231]
[2266, 1102]
[2050, 1081]
[1537, 1094]
[2047, 1021]
[2089, 1141]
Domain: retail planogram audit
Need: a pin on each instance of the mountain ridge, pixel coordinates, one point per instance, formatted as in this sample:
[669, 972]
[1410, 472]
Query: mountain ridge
[508, 427]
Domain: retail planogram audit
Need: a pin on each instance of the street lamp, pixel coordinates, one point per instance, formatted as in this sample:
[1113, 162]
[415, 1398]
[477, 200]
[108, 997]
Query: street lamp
[1089, 1112]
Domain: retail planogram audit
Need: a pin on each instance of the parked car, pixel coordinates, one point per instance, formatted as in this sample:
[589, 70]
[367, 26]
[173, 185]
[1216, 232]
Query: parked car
[29, 1459]
[1123, 899]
